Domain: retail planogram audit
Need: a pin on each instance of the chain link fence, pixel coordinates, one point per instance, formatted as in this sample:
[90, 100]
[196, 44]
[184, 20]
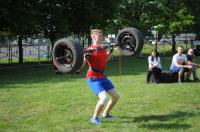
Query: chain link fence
[35, 52]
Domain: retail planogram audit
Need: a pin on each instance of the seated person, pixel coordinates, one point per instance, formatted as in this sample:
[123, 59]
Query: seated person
[180, 64]
[155, 67]
[191, 59]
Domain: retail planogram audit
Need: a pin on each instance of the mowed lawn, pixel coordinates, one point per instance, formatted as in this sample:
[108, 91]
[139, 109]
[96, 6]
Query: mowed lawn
[38, 100]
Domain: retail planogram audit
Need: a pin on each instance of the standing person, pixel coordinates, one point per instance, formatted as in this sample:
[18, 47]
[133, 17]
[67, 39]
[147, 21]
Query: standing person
[155, 67]
[191, 59]
[97, 81]
[180, 64]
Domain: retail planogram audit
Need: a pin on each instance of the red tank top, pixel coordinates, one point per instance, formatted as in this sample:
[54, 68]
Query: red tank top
[97, 60]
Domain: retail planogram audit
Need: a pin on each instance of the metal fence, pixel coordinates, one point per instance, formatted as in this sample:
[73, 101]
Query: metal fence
[39, 53]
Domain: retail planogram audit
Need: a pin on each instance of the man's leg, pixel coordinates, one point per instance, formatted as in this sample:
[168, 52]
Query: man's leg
[188, 73]
[113, 100]
[180, 75]
[100, 104]
[187, 77]
[194, 72]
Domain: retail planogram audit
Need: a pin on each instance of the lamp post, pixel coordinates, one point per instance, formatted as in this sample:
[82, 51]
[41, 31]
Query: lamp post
[155, 31]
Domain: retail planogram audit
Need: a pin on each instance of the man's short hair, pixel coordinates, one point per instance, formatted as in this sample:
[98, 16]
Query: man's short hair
[190, 49]
[96, 31]
[180, 47]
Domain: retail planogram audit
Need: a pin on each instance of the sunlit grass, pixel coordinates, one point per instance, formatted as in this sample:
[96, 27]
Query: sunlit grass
[36, 99]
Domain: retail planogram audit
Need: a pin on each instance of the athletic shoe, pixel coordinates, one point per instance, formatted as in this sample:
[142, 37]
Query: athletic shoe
[108, 116]
[95, 121]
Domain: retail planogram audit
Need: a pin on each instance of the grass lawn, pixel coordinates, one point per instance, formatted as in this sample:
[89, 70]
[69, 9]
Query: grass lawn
[35, 99]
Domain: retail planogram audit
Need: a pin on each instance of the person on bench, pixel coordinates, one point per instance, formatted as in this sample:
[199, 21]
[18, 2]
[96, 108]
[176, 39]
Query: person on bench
[180, 64]
[155, 67]
[191, 59]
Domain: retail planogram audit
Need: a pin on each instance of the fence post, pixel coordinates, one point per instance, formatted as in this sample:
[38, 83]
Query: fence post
[9, 53]
[38, 54]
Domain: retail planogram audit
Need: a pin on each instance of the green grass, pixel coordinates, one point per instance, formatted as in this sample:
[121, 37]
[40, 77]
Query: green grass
[25, 60]
[35, 99]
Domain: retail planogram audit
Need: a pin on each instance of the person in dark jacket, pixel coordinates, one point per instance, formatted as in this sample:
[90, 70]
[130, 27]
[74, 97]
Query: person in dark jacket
[191, 59]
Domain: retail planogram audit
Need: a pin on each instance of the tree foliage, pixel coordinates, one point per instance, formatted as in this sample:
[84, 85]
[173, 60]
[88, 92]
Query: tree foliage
[61, 18]
[176, 18]
[20, 18]
[194, 7]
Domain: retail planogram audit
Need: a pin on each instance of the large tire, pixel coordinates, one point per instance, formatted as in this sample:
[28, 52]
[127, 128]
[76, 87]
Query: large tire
[130, 41]
[67, 55]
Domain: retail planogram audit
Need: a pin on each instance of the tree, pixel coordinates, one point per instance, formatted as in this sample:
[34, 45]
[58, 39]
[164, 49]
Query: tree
[177, 18]
[131, 12]
[103, 13]
[173, 15]
[141, 14]
[90, 14]
[194, 7]
[61, 17]
[52, 19]
[18, 17]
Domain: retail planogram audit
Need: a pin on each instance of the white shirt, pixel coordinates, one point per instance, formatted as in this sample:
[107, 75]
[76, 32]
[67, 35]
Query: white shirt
[155, 62]
[180, 59]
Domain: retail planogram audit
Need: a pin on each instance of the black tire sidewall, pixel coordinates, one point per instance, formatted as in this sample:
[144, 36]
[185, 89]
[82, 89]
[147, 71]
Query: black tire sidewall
[138, 37]
[77, 53]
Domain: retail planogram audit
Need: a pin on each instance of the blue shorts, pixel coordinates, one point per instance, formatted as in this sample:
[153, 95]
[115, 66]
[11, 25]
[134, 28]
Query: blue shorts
[97, 85]
[175, 69]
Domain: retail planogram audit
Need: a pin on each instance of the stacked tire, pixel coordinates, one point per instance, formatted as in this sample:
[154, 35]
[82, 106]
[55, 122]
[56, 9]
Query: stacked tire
[131, 41]
[67, 55]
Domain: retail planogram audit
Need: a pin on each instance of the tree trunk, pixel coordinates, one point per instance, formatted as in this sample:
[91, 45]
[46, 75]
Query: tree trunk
[52, 37]
[173, 43]
[20, 49]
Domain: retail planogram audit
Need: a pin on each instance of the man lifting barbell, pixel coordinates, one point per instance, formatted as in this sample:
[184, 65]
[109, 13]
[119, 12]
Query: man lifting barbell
[97, 81]
[69, 56]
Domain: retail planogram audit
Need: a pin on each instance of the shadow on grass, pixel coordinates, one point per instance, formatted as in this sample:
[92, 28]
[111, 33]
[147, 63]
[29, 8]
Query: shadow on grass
[28, 75]
[166, 126]
[167, 121]
[128, 66]
[167, 117]
[43, 74]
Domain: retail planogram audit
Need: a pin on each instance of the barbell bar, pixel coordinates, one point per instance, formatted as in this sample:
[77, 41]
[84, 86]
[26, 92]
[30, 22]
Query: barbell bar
[112, 45]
